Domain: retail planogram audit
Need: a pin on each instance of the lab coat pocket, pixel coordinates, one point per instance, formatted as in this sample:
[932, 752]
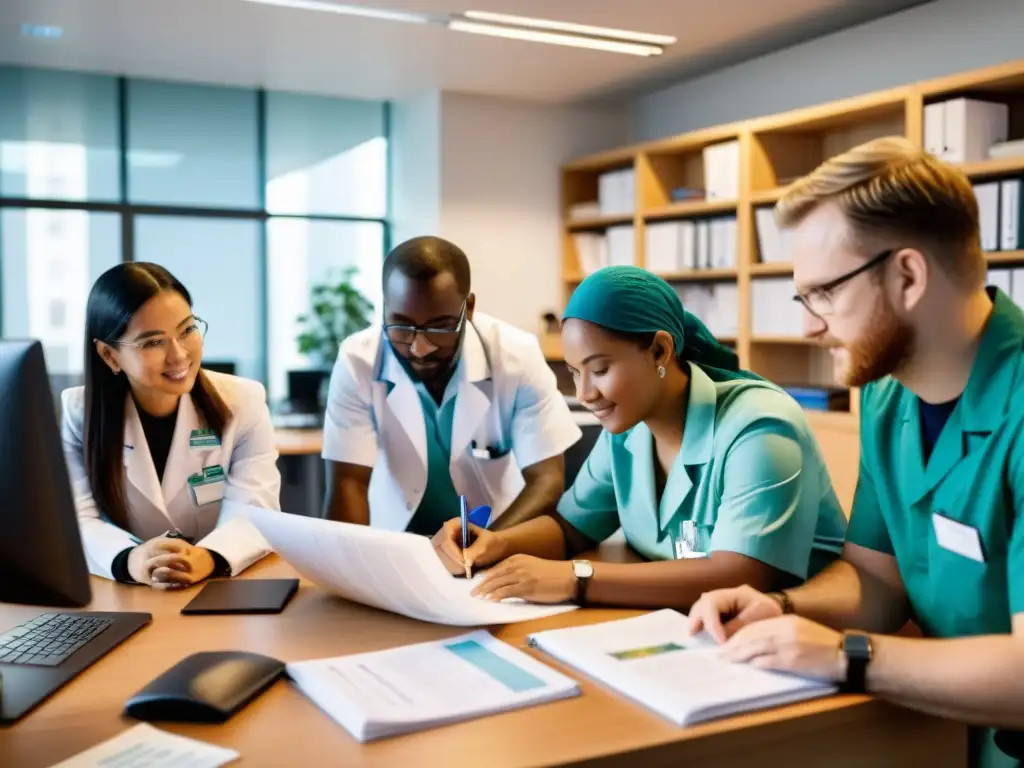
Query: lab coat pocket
[501, 479]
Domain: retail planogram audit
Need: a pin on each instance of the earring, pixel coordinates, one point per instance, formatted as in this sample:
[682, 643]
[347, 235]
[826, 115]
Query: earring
[661, 371]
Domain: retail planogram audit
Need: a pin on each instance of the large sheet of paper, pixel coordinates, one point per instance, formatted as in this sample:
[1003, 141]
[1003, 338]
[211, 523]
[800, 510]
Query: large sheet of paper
[654, 660]
[397, 572]
[147, 747]
[385, 693]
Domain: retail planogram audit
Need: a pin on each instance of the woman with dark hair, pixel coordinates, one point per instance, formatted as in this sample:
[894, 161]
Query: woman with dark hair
[154, 444]
[709, 470]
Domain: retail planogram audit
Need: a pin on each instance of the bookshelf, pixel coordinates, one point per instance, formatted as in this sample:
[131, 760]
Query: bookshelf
[773, 151]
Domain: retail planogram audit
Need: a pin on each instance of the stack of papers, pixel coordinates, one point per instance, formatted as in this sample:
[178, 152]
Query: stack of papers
[386, 693]
[397, 572]
[653, 660]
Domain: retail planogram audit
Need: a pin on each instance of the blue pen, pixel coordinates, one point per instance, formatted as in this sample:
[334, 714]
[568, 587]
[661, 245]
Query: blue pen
[464, 514]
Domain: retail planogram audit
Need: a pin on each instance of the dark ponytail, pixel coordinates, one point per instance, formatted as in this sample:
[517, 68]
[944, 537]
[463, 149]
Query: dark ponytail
[113, 300]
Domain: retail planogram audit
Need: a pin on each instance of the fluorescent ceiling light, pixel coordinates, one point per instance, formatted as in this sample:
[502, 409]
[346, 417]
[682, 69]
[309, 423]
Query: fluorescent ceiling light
[564, 26]
[41, 31]
[347, 10]
[538, 36]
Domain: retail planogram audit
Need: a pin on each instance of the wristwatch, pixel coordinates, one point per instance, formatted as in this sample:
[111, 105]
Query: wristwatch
[583, 571]
[783, 600]
[857, 648]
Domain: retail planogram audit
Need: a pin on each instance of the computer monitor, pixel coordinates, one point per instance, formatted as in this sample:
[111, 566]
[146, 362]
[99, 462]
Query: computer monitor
[220, 366]
[304, 390]
[41, 556]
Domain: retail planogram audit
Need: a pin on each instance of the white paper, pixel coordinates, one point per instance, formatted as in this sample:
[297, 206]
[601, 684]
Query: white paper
[397, 572]
[957, 537]
[655, 661]
[147, 747]
[384, 693]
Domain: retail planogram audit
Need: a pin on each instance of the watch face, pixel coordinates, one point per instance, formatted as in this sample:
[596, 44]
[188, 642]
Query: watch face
[857, 645]
[582, 569]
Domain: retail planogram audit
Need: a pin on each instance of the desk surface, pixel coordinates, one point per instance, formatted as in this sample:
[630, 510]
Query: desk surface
[599, 727]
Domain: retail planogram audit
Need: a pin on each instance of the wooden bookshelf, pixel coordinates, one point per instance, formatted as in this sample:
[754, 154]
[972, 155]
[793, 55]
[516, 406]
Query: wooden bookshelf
[690, 208]
[772, 268]
[700, 276]
[986, 169]
[774, 151]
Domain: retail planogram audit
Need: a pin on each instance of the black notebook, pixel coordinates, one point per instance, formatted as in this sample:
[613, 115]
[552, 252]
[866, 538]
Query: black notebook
[243, 596]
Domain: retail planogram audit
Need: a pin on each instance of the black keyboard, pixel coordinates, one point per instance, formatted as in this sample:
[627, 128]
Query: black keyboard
[49, 638]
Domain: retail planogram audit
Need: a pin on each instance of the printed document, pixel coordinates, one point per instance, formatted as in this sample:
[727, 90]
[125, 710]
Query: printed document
[653, 660]
[147, 747]
[397, 572]
[385, 693]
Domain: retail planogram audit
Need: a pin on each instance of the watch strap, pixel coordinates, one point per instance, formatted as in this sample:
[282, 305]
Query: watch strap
[857, 648]
[582, 582]
[783, 600]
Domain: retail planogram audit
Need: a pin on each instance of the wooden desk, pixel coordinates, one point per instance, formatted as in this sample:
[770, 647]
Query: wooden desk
[299, 442]
[283, 728]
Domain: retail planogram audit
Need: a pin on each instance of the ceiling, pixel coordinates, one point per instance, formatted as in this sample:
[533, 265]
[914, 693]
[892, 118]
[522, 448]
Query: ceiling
[240, 43]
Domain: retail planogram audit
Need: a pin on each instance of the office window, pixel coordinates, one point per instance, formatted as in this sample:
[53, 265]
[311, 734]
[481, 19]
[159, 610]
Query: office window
[218, 261]
[325, 156]
[192, 145]
[49, 261]
[58, 136]
[302, 254]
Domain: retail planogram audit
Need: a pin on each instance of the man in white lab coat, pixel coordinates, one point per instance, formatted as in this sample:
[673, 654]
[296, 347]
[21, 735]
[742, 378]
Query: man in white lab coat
[439, 401]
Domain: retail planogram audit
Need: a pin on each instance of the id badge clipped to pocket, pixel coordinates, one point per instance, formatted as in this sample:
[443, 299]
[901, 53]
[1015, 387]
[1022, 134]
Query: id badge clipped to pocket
[207, 486]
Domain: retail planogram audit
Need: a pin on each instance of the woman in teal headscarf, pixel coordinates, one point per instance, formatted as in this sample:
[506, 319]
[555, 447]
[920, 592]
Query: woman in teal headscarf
[709, 470]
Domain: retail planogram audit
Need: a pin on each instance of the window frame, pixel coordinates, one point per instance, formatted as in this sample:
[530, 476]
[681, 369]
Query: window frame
[128, 211]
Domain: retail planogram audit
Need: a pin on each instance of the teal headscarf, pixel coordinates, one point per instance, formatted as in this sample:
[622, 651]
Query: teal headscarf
[633, 300]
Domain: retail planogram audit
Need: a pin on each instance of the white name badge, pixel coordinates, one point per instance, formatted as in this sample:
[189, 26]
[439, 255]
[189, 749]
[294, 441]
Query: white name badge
[207, 486]
[957, 537]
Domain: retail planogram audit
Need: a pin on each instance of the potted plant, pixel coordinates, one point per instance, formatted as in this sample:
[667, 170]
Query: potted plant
[337, 310]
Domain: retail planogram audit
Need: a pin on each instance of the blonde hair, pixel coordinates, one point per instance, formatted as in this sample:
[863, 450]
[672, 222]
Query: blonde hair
[894, 194]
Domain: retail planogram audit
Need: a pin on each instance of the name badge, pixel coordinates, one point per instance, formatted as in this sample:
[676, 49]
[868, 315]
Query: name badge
[957, 537]
[200, 439]
[207, 486]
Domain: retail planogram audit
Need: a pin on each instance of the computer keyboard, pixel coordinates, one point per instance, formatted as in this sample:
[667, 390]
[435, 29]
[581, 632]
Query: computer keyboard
[49, 638]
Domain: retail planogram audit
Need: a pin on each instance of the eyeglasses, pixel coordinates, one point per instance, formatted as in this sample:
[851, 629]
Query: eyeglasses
[192, 333]
[818, 300]
[439, 337]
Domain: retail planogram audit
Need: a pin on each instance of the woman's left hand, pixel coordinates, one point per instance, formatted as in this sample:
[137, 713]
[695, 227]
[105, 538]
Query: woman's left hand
[529, 578]
[199, 564]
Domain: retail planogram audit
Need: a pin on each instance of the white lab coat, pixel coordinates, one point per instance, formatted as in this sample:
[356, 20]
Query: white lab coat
[247, 454]
[507, 399]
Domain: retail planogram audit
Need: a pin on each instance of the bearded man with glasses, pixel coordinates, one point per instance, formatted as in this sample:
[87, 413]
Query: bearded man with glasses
[440, 401]
[888, 264]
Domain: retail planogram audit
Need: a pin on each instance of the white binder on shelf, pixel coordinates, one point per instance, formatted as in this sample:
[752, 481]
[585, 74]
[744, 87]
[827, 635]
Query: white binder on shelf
[1010, 238]
[661, 246]
[621, 246]
[703, 244]
[963, 130]
[687, 245]
[722, 171]
[987, 195]
[1017, 285]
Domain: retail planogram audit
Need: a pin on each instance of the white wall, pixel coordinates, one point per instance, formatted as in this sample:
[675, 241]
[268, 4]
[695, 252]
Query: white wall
[928, 41]
[500, 194]
[416, 166]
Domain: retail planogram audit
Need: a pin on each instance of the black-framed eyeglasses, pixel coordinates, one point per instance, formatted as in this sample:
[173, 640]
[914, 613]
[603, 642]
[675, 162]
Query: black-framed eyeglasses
[439, 337]
[194, 331]
[818, 300]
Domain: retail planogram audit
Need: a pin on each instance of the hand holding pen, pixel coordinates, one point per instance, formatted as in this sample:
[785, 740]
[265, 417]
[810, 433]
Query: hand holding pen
[481, 547]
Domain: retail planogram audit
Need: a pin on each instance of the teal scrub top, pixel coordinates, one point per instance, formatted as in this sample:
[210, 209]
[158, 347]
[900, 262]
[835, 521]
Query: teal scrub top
[440, 501]
[749, 472]
[974, 476]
